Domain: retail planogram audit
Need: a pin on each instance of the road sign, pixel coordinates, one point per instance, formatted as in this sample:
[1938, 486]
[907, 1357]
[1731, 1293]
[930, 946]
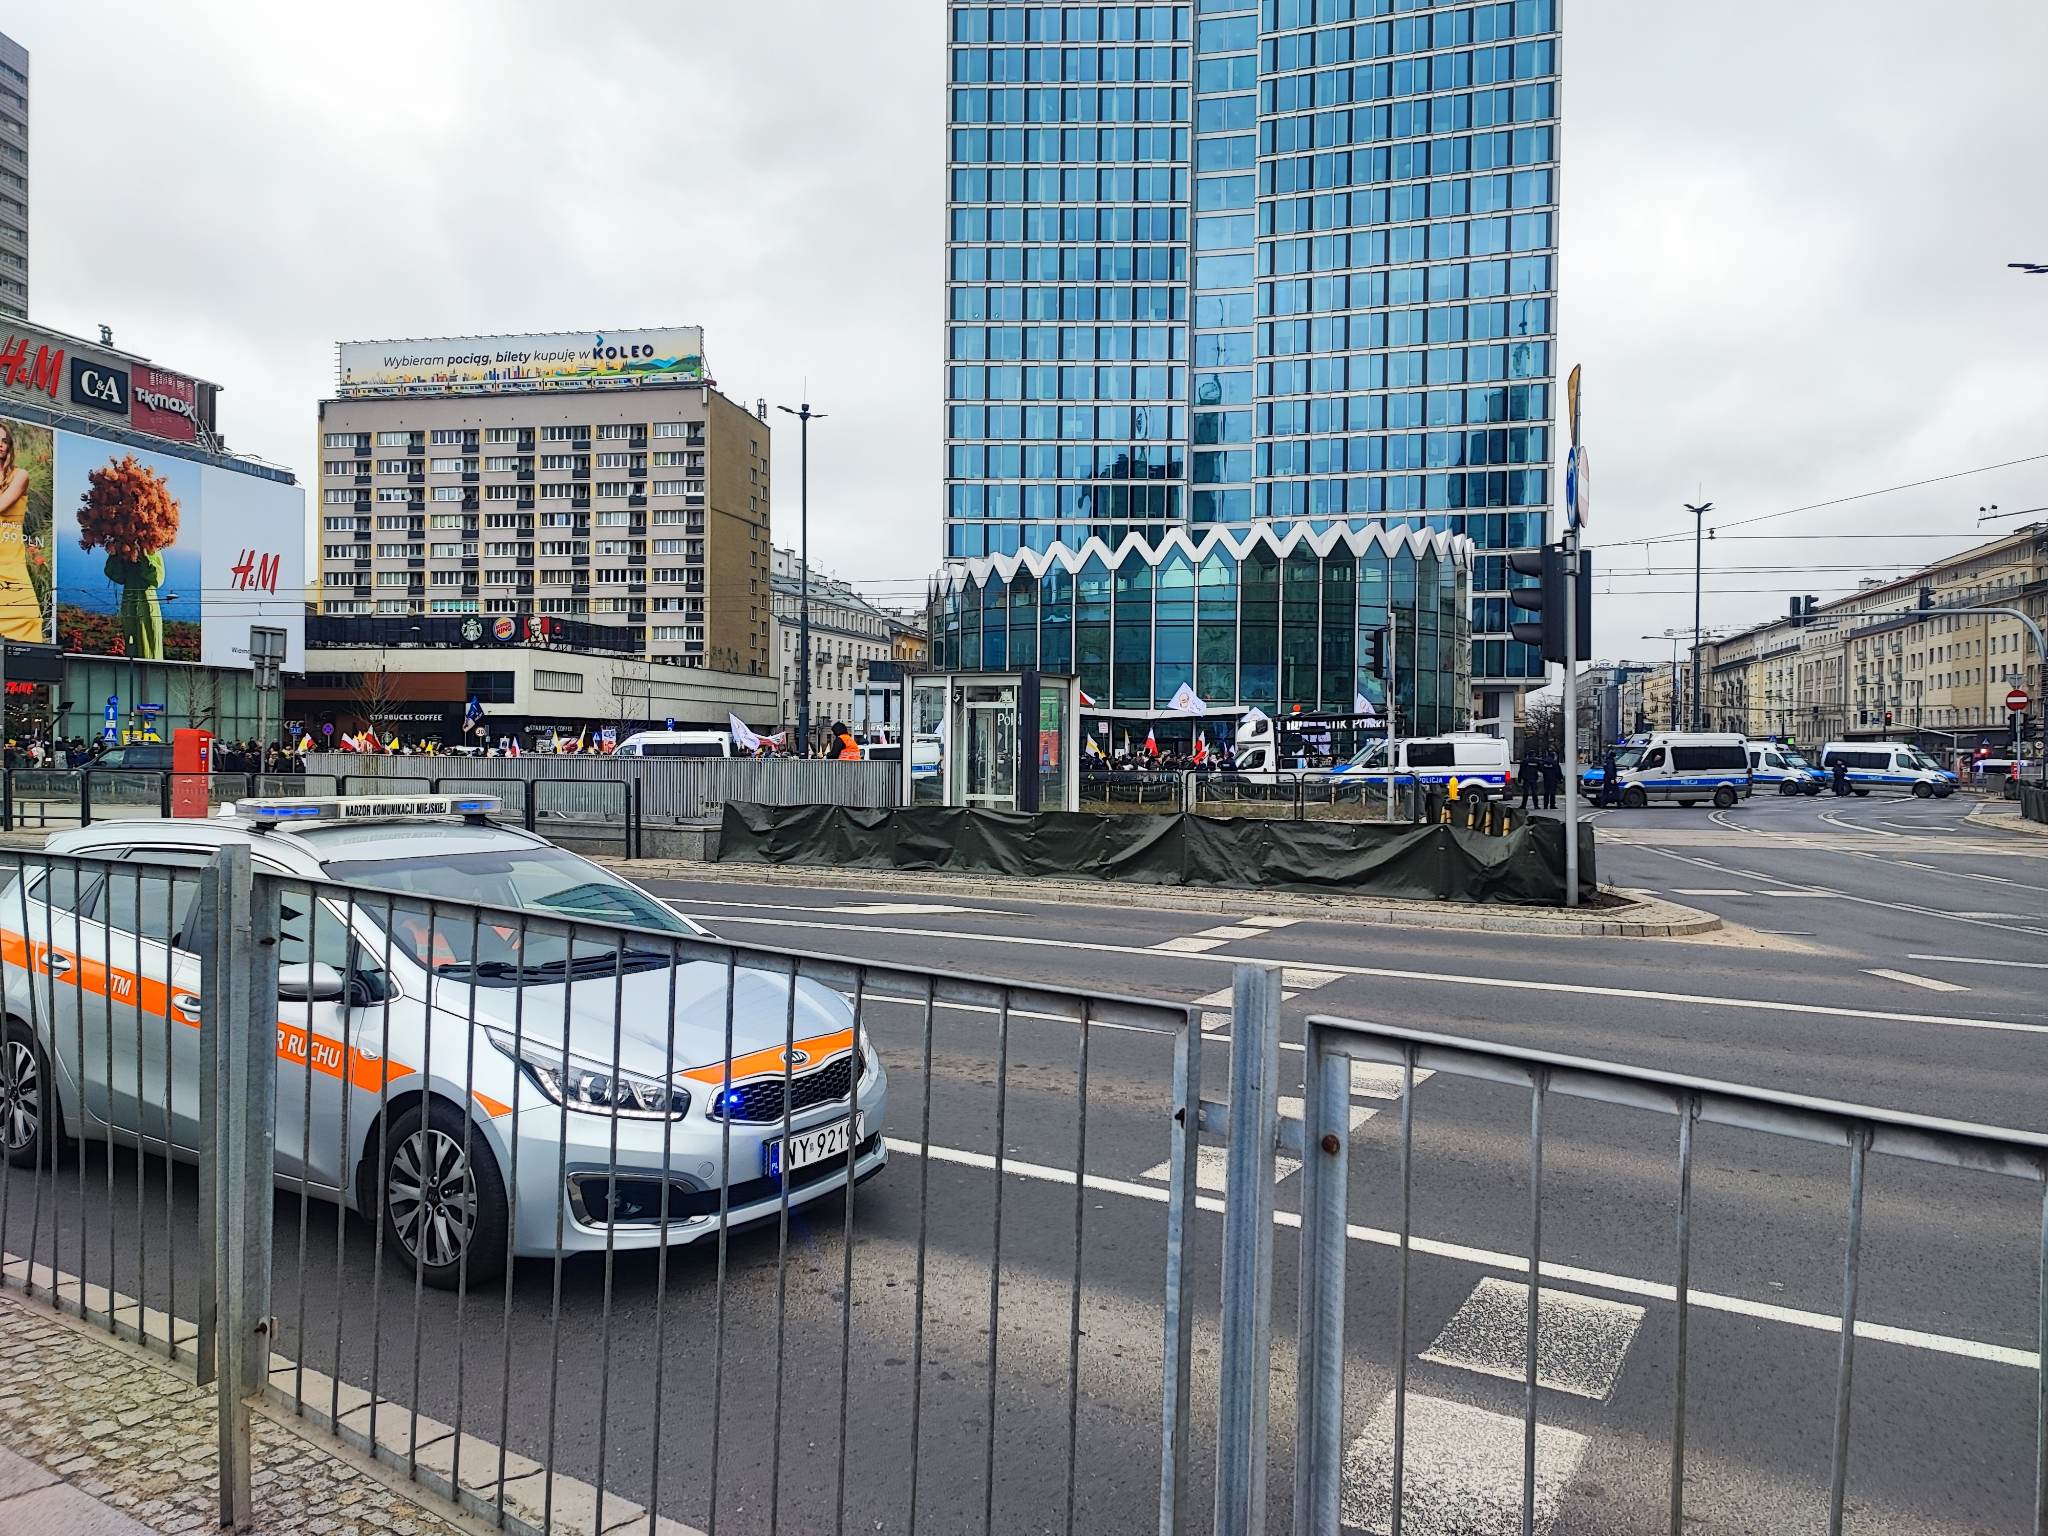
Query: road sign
[2018, 700]
[327, 728]
[1578, 488]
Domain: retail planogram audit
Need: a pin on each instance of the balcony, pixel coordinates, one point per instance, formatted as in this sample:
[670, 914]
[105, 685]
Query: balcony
[525, 532]
[362, 479]
[415, 477]
[580, 472]
[638, 499]
[470, 477]
[580, 445]
[525, 504]
[526, 470]
[416, 562]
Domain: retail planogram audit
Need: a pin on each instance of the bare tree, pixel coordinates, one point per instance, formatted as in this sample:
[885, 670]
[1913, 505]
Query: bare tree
[375, 692]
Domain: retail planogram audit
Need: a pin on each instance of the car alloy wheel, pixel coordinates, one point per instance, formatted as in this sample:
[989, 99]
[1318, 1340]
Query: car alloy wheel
[21, 1097]
[431, 1195]
[1724, 798]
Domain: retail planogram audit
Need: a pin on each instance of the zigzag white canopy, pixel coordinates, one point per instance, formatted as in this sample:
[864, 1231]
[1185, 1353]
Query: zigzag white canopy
[1239, 539]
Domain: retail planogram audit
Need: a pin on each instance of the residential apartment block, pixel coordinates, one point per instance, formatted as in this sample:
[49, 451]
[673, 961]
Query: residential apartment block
[1901, 658]
[853, 643]
[13, 179]
[622, 498]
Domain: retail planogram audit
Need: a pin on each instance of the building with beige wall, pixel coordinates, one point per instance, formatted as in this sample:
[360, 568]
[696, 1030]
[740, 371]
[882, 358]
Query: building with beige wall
[632, 500]
[1877, 662]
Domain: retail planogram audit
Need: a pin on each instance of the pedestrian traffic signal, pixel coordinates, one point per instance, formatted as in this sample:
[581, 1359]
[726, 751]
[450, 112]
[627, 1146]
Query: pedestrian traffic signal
[1376, 653]
[1546, 600]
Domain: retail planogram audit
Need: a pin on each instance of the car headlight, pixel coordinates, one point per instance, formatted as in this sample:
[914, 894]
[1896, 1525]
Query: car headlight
[591, 1087]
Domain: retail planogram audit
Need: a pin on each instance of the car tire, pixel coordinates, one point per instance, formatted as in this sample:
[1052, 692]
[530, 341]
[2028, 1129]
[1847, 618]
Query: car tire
[1813, 791]
[1859, 790]
[429, 1137]
[1787, 787]
[1943, 794]
[1635, 797]
[1688, 804]
[28, 1105]
[1922, 791]
[1724, 799]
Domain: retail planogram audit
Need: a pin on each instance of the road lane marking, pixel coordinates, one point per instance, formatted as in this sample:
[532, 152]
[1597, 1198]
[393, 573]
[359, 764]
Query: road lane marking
[1914, 981]
[1517, 1264]
[1462, 1474]
[1212, 1169]
[1269, 922]
[1190, 944]
[1580, 1340]
[2024, 965]
[1229, 931]
[1868, 901]
[1817, 894]
[1304, 979]
[1445, 978]
[1707, 890]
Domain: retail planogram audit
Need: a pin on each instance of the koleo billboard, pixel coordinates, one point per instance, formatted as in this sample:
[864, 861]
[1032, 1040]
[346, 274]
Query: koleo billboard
[488, 364]
[111, 550]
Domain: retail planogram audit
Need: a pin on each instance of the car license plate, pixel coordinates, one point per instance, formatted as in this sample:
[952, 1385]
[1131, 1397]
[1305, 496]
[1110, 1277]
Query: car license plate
[813, 1146]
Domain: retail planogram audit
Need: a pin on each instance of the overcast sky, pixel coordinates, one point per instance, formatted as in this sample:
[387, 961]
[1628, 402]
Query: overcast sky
[1786, 229]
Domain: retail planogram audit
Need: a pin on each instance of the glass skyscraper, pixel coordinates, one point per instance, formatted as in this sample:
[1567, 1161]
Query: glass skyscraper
[1273, 265]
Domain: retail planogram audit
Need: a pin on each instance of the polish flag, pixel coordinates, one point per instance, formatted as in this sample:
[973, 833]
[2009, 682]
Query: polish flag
[1201, 749]
[1151, 744]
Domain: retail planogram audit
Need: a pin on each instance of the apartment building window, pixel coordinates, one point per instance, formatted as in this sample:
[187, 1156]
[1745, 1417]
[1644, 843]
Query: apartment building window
[673, 517]
[501, 461]
[613, 605]
[563, 605]
[678, 429]
[669, 487]
[445, 520]
[339, 440]
[615, 546]
[341, 525]
[557, 492]
[615, 460]
[556, 578]
[392, 578]
[618, 430]
[668, 458]
[669, 573]
[393, 551]
[505, 550]
[394, 466]
[393, 493]
[452, 466]
[668, 546]
[501, 493]
[563, 434]
[445, 578]
[348, 610]
[340, 578]
[611, 576]
[449, 437]
[558, 547]
[501, 578]
[393, 605]
[560, 460]
[614, 488]
[390, 524]
[349, 467]
[452, 605]
[339, 498]
[504, 520]
[451, 551]
[501, 435]
[558, 519]
[393, 439]
[447, 493]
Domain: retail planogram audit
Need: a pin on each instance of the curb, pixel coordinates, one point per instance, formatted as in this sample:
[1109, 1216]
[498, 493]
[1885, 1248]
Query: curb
[2006, 821]
[1642, 919]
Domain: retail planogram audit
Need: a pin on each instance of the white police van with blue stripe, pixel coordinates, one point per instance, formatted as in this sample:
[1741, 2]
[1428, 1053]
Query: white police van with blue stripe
[1891, 765]
[1478, 762]
[1774, 763]
[1688, 767]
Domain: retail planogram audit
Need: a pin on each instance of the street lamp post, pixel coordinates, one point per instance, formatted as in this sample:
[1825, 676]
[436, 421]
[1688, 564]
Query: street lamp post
[805, 416]
[1699, 518]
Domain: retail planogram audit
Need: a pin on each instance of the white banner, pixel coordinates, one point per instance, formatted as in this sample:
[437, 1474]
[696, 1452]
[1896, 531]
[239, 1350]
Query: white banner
[1187, 701]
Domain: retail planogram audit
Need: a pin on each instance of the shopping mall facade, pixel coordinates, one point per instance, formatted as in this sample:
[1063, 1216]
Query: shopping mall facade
[1246, 617]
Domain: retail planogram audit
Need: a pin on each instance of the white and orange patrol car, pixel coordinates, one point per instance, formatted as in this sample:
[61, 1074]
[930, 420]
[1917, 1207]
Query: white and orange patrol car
[486, 1088]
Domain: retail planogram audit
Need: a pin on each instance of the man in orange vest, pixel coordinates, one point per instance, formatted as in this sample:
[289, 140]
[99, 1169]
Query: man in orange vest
[845, 748]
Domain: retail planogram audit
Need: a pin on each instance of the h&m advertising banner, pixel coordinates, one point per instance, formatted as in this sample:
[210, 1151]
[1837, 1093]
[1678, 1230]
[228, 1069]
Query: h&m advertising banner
[111, 550]
[489, 364]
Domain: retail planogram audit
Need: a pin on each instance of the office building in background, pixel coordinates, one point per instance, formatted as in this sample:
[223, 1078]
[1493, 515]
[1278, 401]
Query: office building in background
[594, 477]
[13, 179]
[1285, 270]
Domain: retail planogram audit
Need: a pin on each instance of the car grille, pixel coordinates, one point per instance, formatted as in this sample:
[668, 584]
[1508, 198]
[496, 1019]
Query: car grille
[759, 1102]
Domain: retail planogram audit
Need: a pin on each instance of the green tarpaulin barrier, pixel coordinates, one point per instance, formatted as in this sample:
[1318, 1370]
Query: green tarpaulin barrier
[1430, 863]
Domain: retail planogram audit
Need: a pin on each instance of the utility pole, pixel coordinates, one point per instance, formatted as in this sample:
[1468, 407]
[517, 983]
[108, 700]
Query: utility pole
[1699, 518]
[805, 416]
[1570, 542]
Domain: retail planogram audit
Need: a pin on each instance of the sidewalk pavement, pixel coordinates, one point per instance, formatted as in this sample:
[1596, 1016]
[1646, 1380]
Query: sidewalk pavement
[1634, 916]
[2005, 816]
[100, 1438]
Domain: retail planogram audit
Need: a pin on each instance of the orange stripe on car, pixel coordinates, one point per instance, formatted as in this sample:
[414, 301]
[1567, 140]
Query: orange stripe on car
[806, 1054]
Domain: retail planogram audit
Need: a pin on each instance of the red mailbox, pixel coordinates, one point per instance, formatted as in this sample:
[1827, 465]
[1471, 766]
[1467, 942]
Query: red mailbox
[191, 764]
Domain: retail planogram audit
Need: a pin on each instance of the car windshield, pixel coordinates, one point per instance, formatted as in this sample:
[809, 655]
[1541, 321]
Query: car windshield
[539, 879]
[1371, 755]
[1922, 760]
[1628, 757]
[1793, 759]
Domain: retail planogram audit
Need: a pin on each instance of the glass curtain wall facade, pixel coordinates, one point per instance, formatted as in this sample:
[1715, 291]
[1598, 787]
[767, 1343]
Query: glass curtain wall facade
[1255, 262]
[1242, 616]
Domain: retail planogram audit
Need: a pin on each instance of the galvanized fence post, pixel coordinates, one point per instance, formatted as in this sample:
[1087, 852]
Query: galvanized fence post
[1175, 1409]
[1319, 1366]
[1244, 1395]
[238, 1047]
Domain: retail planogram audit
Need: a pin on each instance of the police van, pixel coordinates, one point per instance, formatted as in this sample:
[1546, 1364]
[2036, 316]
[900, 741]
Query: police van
[1888, 765]
[676, 744]
[1688, 767]
[1772, 762]
[1477, 761]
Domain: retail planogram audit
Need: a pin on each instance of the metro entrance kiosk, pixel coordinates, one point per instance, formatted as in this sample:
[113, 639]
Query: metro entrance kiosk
[997, 741]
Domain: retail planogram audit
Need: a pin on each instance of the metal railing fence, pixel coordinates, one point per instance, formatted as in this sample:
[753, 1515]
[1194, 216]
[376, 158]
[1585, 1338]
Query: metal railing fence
[46, 798]
[1323, 1140]
[672, 789]
[745, 1237]
[1292, 797]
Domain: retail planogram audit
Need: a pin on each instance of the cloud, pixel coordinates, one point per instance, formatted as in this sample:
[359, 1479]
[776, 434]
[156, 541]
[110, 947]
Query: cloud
[1785, 227]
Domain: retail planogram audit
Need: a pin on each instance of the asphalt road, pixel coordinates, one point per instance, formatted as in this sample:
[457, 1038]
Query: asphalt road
[1884, 952]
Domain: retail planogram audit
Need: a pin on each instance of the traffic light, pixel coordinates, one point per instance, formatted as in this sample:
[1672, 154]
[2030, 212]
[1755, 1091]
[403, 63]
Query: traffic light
[1926, 598]
[1376, 653]
[1887, 717]
[1546, 600]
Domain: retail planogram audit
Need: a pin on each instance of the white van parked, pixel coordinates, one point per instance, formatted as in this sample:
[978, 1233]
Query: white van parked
[1687, 766]
[1477, 761]
[675, 744]
[1888, 765]
[1772, 762]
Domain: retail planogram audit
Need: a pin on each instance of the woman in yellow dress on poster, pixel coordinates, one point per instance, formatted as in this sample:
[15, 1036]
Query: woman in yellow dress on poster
[21, 617]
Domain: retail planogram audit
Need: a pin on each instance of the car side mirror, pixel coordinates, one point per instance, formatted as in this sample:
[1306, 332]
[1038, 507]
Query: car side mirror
[313, 983]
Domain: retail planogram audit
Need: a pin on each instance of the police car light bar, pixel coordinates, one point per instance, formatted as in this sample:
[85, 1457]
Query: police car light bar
[271, 810]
